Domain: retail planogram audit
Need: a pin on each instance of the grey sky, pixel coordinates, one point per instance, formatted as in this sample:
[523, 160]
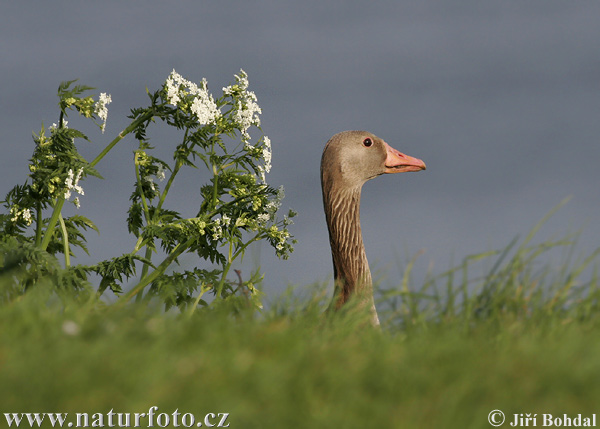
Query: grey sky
[501, 99]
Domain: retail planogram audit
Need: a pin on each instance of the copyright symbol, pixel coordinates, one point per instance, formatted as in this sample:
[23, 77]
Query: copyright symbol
[496, 418]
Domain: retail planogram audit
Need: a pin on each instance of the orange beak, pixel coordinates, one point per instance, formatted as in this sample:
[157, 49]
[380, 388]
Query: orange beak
[397, 162]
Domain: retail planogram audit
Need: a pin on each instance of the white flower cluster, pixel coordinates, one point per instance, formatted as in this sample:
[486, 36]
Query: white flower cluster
[150, 181]
[160, 174]
[226, 220]
[203, 105]
[71, 183]
[217, 229]
[267, 153]
[17, 213]
[53, 127]
[247, 110]
[282, 237]
[100, 108]
[271, 208]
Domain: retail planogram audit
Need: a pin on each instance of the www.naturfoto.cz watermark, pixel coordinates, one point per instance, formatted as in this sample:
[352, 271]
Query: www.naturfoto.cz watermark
[498, 418]
[152, 418]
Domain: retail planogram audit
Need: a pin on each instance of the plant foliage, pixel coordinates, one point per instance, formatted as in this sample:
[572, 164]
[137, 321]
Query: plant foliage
[236, 207]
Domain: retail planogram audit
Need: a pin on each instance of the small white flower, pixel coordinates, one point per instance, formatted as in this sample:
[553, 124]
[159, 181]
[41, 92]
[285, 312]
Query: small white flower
[205, 108]
[203, 105]
[217, 231]
[247, 110]
[246, 114]
[263, 218]
[76, 187]
[151, 182]
[53, 127]
[172, 89]
[261, 173]
[26, 214]
[69, 179]
[272, 206]
[101, 110]
[267, 154]
[76, 201]
[242, 79]
[226, 220]
[160, 174]
[71, 182]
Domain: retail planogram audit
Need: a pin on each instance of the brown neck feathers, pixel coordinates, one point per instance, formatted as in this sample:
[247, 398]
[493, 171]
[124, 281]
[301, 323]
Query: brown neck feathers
[350, 265]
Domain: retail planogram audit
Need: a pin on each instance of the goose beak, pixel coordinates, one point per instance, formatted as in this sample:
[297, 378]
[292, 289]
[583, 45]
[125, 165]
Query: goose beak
[397, 162]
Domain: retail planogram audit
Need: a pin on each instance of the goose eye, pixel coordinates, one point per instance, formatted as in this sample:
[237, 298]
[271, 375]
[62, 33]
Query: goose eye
[367, 142]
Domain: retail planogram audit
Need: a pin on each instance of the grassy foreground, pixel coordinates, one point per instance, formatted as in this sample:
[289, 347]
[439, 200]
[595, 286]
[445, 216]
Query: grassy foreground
[522, 338]
[295, 370]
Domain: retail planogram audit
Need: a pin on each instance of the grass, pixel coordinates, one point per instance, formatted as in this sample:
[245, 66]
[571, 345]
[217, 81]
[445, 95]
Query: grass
[522, 337]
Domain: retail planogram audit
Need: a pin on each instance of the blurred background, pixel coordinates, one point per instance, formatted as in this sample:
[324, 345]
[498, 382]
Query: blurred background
[500, 99]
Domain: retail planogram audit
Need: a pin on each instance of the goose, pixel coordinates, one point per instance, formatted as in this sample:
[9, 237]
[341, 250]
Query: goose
[349, 159]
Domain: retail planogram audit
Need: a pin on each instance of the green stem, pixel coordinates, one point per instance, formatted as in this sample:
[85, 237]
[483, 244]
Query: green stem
[141, 191]
[52, 223]
[178, 250]
[145, 268]
[65, 235]
[38, 223]
[215, 186]
[230, 262]
[148, 254]
[60, 202]
[223, 278]
[202, 292]
[243, 248]
[143, 118]
[138, 245]
[147, 216]
[168, 185]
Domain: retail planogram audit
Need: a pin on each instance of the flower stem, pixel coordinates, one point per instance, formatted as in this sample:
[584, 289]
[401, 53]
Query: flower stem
[215, 187]
[147, 216]
[38, 223]
[147, 255]
[178, 250]
[52, 223]
[140, 120]
[223, 278]
[168, 185]
[141, 191]
[233, 258]
[65, 235]
[203, 290]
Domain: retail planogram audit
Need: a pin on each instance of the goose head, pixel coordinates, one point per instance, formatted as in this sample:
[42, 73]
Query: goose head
[350, 158]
